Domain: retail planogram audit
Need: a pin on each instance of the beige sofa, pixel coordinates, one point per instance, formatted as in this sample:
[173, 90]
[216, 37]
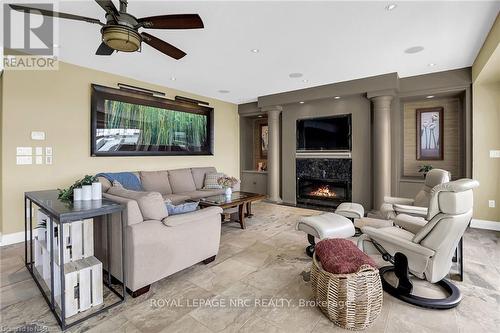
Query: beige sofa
[156, 248]
[176, 185]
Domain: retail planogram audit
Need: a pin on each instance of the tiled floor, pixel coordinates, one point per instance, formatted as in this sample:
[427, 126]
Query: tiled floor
[264, 265]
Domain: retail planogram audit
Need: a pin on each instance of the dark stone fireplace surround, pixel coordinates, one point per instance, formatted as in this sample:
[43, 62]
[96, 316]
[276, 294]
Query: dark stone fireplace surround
[333, 172]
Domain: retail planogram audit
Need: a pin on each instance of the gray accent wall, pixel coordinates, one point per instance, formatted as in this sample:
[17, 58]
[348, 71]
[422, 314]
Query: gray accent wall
[355, 99]
[359, 107]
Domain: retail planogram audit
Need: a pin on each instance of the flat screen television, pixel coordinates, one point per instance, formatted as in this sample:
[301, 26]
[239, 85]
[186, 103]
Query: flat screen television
[326, 133]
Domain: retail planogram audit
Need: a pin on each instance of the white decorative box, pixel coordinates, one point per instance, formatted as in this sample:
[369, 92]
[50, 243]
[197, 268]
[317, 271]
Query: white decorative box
[78, 240]
[83, 285]
[70, 286]
[96, 271]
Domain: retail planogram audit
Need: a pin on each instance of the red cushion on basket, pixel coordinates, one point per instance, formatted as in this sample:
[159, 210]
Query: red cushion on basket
[341, 256]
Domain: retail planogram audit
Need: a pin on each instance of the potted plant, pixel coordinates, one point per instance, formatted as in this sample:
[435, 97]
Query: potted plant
[424, 169]
[227, 183]
[80, 190]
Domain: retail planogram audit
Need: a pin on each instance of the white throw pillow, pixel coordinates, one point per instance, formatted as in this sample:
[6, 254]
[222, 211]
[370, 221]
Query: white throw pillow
[211, 181]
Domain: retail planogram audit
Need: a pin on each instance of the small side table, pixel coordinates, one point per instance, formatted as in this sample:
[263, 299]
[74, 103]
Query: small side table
[59, 213]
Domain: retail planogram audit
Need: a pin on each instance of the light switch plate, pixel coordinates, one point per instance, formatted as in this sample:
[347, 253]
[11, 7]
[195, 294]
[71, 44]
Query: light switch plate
[24, 151]
[38, 159]
[23, 160]
[38, 151]
[491, 203]
[37, 135]
[48, 160]
[48, 151]
[494, 153]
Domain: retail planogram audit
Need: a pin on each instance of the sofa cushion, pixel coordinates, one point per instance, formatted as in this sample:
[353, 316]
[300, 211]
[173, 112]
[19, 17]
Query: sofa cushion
[155, 181]
[199, 175]
[176, 198]
[151, 204]
[182, 208]
[211, 180]
[105, 184]
[181, 180]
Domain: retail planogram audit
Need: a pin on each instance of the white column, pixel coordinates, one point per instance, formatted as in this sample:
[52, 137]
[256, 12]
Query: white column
[273, 153]
[381, 149]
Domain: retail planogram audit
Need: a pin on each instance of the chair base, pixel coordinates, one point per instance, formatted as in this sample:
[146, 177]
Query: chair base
[404, 292]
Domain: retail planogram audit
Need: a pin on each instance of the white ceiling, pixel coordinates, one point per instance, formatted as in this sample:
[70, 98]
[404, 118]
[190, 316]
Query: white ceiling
[326, 41]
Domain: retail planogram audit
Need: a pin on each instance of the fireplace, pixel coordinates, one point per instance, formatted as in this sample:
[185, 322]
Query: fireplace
[323, 192]
[323, 182]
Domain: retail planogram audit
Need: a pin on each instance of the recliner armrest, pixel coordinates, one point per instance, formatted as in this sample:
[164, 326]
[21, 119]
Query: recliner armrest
[411, 223]
[197, 216]
[397, 200]
[410, 210]
[382, 237]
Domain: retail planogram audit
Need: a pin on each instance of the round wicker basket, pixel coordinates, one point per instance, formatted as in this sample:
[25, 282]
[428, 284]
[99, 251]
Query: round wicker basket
[352, 301]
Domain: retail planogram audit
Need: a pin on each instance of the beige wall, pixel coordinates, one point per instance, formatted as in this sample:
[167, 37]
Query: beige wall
[58, 102]
[451, 133]
[486, 134]
[1, 158]
[486, 125]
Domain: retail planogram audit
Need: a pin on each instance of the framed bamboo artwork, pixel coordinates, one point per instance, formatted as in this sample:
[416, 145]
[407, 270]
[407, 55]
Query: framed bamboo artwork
[430, 124]
[128, 123]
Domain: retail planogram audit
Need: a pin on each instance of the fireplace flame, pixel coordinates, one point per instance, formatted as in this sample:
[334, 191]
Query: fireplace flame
[324, 191]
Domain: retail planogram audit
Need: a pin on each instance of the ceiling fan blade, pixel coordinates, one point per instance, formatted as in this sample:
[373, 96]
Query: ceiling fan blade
[162, 46]
[103, 49]
[45, 12]
[177, 21]
[108, 6]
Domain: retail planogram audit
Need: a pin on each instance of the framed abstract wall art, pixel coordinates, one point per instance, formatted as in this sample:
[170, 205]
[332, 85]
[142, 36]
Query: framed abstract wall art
[264, 140]
[430, 134]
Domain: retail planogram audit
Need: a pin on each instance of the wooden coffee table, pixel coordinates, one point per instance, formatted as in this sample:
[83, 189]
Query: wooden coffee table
[238, 199]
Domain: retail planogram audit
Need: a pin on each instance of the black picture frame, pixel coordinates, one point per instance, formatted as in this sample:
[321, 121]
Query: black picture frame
[99, 94]
[435, 151]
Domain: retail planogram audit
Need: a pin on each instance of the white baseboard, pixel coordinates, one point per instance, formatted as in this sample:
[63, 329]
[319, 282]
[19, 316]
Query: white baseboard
[484, 224]
[16, 237]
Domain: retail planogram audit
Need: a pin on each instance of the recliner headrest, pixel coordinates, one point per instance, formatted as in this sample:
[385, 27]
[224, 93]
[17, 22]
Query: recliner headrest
[449, 198]
[436, 177]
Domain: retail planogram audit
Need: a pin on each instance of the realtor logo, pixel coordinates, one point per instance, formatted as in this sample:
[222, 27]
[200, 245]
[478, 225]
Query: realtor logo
[28, 38]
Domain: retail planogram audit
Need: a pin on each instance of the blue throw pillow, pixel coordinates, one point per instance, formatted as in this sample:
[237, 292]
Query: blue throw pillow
[182, 208]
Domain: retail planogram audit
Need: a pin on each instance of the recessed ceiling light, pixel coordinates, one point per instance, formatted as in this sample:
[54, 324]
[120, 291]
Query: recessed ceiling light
[414, 49]
[432, 64]
[301, 102]
[430, 96]
[259, 116]
[254, 50]
[223, 91]
[337, 97]
[391, 6]
[173, 78]
[295, 75]
[305, 80]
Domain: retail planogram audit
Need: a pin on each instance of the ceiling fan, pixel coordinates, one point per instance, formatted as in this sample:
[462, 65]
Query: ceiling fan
[121, 30]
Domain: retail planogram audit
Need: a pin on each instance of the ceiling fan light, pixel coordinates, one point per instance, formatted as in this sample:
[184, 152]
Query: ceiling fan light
[121, 38]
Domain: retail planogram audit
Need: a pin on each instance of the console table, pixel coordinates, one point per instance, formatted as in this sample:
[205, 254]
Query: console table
[59, 215]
